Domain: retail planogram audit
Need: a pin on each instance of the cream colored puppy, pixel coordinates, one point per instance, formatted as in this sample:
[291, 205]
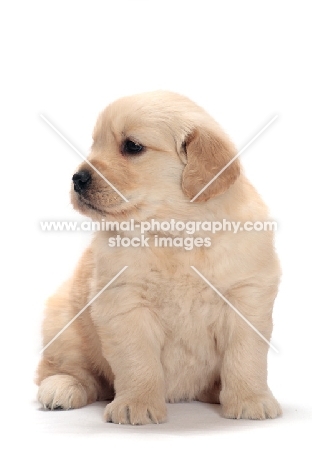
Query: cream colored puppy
[159, 333]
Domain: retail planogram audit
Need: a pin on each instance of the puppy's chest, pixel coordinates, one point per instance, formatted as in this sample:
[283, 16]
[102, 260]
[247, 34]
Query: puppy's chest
[179, 300]
[163, 284]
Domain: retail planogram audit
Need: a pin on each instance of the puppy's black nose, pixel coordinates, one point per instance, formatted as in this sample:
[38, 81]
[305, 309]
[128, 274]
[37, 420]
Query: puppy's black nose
[81, 180]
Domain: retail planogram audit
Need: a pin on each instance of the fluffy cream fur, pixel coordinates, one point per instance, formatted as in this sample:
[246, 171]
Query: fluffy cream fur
[160, 334]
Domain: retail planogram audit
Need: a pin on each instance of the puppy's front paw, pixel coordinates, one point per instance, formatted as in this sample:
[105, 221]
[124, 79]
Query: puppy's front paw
[253, 407]
[129, 411]
[62, 392]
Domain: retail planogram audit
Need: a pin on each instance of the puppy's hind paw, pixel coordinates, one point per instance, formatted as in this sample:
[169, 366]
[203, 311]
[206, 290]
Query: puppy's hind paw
[62, 392]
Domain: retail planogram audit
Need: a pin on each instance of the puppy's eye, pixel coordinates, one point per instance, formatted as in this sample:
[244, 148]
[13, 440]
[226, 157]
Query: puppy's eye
[130, 147]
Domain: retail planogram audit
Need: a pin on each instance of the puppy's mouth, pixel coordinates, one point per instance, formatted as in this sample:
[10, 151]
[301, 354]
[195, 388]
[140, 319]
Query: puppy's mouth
[85, 205]
[91, 197]
[119, 210]
[94, 202]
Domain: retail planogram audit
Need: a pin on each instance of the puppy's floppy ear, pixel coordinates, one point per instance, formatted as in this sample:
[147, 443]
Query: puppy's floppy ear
[208, 151]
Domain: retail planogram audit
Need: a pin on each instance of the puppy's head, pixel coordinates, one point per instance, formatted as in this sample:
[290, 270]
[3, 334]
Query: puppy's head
[149, 151]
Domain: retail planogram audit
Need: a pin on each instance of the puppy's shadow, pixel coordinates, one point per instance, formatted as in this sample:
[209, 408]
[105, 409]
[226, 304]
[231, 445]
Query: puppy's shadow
[183, 418]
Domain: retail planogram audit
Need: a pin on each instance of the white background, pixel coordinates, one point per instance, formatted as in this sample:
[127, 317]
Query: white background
[244, 62]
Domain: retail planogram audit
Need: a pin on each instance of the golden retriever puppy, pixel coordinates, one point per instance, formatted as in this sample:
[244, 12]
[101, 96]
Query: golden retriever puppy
[159, 332]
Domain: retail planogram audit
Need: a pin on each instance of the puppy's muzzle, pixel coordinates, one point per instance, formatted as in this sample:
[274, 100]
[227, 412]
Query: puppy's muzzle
[81, 181]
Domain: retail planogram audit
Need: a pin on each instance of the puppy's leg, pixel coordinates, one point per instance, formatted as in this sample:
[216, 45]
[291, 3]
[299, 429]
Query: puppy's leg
[67, 380]
[245, 393]
[72, 371]
[131, 343]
